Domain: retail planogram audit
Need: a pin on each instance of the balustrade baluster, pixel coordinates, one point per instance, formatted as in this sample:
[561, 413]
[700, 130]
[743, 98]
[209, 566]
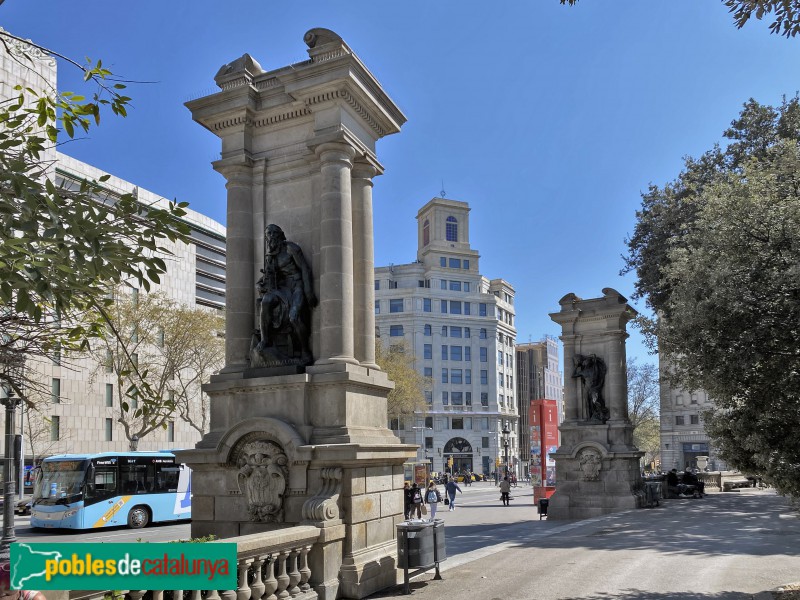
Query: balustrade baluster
[228, 595]
[178, 595]
[195, 595]
[270, 583]
[158, 594]
[257, 587]
[136, 594]
[243, 591]
[283, 577]
[294, 574]
[212, 595]
[305, 570]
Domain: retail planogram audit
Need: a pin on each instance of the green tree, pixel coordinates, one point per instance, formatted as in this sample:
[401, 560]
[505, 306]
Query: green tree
[717, 256]
[61, 249]
[157, 348]
[644, 408]
[786, 12]
[408, 395]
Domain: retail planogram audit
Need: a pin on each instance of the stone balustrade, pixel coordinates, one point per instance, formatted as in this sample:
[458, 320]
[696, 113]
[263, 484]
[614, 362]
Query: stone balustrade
[271, 566]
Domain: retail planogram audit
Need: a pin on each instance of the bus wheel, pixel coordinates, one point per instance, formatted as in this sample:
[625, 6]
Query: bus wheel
[138, 517]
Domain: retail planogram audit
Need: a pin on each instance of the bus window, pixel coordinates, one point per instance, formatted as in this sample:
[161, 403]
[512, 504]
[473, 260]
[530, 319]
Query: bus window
[136, 478]
[166, 478]
[104, 483]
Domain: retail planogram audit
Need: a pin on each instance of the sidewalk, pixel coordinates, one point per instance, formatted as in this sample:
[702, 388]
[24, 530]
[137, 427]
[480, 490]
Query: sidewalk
[726, 546]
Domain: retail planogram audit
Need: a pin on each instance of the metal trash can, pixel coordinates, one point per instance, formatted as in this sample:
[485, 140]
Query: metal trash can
[415, 545]
[421, 546]
[543, 504]
[652, 493]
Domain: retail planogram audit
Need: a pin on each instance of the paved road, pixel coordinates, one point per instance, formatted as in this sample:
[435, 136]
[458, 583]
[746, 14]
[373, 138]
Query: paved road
[152, 533]
[722, 547]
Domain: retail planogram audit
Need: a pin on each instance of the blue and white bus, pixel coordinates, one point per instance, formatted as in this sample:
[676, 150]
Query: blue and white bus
[85, 491]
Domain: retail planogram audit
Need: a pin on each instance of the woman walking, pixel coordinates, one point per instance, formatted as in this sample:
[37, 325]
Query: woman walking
[433, 497]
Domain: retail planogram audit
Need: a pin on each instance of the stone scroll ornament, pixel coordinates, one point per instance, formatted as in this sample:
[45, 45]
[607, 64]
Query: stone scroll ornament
[262, 477]
[590, 463]
[324, 506]
[286, 297]
[592, 370]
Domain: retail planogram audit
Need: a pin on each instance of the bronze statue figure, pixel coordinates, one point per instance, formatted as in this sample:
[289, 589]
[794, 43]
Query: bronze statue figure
[286, 298]
[592, 370]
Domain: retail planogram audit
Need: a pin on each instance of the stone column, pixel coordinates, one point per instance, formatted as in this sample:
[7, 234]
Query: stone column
[336, 255]
[616, 380]
[364, 264]
[571, 401]
[239, 282]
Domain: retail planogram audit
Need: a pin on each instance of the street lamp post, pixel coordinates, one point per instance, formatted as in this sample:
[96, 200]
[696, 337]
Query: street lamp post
[13, 365]
[506, 433]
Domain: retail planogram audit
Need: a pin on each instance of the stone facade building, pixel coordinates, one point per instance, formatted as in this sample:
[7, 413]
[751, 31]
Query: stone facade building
[80, 413]
[460, 326]
[538, 377]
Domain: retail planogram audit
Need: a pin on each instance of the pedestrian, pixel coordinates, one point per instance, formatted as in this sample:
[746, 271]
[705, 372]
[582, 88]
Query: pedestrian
[416, 501]
[433, 497]
[468, 478]
[505, 488]
[408, 499]
[451, 488]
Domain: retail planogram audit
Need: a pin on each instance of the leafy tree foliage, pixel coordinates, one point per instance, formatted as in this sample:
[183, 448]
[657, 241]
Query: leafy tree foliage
[717, 256]
[159, 349]
[61, 249]
[787, 13]
[408, 395]
[644, 408]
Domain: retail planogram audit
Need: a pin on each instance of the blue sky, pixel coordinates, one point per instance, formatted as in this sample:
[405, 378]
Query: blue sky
[548, 120]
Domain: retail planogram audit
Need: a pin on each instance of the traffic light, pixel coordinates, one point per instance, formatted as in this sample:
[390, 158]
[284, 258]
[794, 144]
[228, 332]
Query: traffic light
[450, 462]
[496, 462]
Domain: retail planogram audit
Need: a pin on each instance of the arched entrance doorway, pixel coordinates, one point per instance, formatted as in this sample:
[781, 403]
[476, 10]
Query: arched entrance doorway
[460, 451]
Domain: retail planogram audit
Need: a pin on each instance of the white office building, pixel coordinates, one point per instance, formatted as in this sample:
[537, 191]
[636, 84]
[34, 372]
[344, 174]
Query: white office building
[460, 326]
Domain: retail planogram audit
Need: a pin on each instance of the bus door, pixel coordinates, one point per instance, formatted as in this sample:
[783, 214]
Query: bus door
[102, 498]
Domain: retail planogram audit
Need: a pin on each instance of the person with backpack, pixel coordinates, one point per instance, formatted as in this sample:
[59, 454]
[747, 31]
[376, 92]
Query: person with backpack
[416, 501]
[433, 497]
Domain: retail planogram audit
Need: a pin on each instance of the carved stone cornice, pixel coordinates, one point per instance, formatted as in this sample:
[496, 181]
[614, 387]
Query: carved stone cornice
[26, 49]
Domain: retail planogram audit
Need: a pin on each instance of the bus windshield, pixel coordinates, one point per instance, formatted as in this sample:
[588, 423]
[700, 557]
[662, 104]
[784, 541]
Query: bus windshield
[60, 481]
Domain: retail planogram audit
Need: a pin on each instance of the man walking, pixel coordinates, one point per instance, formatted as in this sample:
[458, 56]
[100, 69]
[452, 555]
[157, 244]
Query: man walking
[451, 488]
[505, 488]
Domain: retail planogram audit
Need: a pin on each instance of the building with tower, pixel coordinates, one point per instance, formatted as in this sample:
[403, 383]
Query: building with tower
[461, 327]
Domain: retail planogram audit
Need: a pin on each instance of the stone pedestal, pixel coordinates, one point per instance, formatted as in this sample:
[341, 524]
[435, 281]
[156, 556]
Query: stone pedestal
[303, 444]
[597, 464]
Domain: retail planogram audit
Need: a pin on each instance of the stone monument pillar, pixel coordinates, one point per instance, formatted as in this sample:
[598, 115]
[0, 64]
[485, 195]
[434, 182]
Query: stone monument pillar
[597, 465]
[299, 431]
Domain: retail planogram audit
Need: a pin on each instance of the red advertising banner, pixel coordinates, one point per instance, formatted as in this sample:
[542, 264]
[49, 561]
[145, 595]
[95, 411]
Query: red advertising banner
[543, 420]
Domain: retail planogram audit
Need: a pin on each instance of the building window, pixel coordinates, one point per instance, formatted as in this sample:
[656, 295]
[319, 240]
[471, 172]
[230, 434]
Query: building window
[428, 397]
[443, 284]
[484, 440]
[427, 372]
[135, 297]
[57, 355]
[109, 430]
[500, 379]
[171, 431]
[455, 286]
[426, 305]
[482, 334]
[467, 309]
[55, 390]
[484, 379]
[442, 261]
[444, 353]
[454, 263]
[694, 398]
[444, 375]
[457, 423]
[468, 375]
[444, 331]
[395, 330]
[500, 357]
[501, 400]
[377, 307]
[427, 351]
[377, 284]
[135, 359]
[456, 377]
[455, 353]
[467, 353]
[109, 394]
[445, 398]
[466, 264]
[484, 354]
[443, 307]
[426, 233]
[426, 331]
[55, 428]
[484, 399]
[109, 361]
[679, 420]
[456, 332]
[455, 307]
[679, 399]
[458, 398]
[429, 422]
[451, 229]
[396, 305]
[468, 398]
[694, 419]
[392, 285]
[466, 332]
[429, 441]
[482, 309]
